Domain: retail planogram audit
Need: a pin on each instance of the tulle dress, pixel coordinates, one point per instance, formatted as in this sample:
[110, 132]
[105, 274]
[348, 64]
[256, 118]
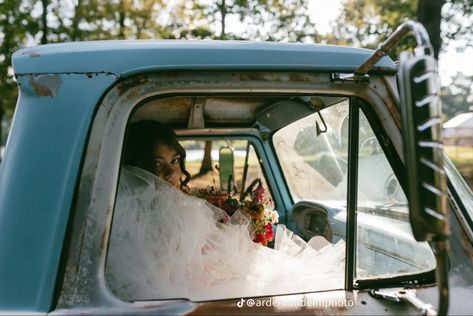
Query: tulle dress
[167, 244]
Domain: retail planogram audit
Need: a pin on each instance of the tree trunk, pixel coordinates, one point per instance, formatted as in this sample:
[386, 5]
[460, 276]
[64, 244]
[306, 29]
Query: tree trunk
[44, 21]
[223, 12]
[206, 165]
[75, 21]
[121, 19]
[429, 14]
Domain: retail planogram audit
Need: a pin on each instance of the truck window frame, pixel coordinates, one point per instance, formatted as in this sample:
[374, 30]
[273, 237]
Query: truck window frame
[90, 222]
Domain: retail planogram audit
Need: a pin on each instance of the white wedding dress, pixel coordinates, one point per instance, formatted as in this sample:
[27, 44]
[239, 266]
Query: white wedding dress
[167, 244]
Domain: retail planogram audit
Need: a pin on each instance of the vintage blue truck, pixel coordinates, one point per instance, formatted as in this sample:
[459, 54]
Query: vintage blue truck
[341, 137]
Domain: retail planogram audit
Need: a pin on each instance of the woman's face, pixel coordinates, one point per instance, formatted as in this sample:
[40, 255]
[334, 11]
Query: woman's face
[166, 164]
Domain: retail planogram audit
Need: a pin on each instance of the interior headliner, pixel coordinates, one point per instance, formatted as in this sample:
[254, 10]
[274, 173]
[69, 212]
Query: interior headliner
[222, 111]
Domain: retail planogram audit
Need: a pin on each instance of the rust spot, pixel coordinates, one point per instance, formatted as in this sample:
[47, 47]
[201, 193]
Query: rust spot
[32, 53]
[395, 113]
[131, 83]
[45, 85]
[278, 76]
[301, 77]
[466, 244]
[104, 239]
[172, 74]
[257, 76]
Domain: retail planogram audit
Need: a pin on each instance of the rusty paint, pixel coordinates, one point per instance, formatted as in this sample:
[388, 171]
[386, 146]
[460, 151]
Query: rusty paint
[45, 85]
[279, 77]
[305, 78]
[104, 239]
[395, 113]
[131, 83]
[32, 53]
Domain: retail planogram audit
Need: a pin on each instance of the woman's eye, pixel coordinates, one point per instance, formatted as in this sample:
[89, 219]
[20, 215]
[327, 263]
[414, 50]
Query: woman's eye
[158, 164]
[176, 161]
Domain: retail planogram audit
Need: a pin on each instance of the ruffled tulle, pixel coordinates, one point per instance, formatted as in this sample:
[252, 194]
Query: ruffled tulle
[167, 244]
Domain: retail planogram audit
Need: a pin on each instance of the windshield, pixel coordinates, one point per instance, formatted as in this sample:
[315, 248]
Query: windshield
[315, 166]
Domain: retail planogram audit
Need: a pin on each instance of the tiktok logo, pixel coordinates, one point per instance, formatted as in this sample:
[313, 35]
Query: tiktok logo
[240, 303]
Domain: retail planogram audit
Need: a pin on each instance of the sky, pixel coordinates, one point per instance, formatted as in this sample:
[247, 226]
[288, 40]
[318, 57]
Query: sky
[322, 12]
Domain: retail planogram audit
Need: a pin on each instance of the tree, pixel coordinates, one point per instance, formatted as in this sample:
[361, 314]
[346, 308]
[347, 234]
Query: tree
[186, 20]
[458, 18]
[282, 20]
[15, 25]
[458, 96]
[367, 23]
[429, 14]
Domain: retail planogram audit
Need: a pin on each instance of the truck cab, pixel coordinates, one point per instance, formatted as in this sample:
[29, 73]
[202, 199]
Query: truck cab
[324, 139]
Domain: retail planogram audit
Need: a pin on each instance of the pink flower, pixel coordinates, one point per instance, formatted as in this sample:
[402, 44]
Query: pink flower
[259, 193]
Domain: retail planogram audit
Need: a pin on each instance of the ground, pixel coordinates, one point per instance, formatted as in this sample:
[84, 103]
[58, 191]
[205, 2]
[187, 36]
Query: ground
[462, 157]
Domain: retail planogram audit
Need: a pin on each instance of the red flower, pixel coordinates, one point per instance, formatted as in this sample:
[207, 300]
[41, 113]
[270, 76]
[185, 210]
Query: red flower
[260, 238]
[268, 234]
[258, 193]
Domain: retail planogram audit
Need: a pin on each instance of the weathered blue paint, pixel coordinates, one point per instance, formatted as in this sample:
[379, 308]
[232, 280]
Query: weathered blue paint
[36, 193]
[130, 57]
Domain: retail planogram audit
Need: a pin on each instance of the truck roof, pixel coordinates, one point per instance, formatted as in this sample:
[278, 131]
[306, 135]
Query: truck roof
[129, 57]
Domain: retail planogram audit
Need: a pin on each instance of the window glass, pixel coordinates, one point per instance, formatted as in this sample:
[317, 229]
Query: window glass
[315, 166]
[386, 246]
[458, 146]
[461, 187]
[203, 178]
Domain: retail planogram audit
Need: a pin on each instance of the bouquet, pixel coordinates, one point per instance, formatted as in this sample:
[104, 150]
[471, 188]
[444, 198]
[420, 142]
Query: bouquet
[262, 219]
[253, 204]
[223, 200]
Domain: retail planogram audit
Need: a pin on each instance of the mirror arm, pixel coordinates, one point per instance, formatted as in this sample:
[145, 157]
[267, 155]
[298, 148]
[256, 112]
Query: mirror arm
[422, 38]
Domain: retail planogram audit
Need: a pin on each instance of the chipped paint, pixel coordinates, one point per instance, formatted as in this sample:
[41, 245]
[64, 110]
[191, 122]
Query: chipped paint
[45, 85]
[32, 53]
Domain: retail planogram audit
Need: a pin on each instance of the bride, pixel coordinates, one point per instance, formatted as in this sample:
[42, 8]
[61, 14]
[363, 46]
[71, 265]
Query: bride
[166, 243]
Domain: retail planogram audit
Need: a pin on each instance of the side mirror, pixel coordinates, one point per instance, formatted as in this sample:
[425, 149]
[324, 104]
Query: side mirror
[226, 162]
[423, 150]
[421, 111]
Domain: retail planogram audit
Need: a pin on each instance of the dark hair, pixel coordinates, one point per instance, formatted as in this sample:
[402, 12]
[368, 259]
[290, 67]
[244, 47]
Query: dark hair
[141, 139]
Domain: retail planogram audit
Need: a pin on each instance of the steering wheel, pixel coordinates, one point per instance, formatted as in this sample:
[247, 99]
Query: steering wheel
[371, 144]
[250, 188]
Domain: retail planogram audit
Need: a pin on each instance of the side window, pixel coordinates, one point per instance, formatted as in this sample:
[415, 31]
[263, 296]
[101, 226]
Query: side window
[385, 244]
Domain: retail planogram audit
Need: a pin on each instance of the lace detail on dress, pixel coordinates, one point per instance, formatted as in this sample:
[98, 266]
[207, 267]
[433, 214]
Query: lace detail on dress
[167, 244]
